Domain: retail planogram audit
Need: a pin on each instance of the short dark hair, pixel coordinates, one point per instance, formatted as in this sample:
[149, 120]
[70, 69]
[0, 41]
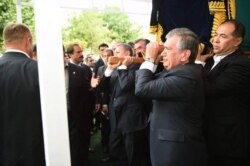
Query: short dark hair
[146, 41]
[131, 44]
[70, 48]
[102, 45]
[239, 30]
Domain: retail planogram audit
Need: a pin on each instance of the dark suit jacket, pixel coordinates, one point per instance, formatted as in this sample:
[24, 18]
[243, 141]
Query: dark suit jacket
[91, 97]
[102, 96]
[176, 118]
[21, 134]
[79, 94]
[79, 114]
[98, 64]
[227, 106]
[126, 113]
[88, 71]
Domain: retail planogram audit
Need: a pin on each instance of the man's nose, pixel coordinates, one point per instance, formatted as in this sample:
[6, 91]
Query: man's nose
[215, 39]
[164, 52]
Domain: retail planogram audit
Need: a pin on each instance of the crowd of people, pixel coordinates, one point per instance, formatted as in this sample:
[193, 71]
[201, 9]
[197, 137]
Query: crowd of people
[180, 107]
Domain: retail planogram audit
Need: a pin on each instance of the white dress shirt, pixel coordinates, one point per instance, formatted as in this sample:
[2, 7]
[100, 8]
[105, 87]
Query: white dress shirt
[217, 58]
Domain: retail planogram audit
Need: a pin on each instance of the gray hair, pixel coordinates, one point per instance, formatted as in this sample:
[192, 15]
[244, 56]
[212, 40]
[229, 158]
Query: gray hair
[188, 40]
[127, 47]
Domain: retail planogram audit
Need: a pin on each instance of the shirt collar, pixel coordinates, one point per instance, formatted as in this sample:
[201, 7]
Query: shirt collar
[219, 57]
[14, 50]
[79, 64]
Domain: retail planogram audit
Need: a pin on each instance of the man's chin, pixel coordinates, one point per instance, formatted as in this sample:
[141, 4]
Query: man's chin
[165, 65]
[216, 51]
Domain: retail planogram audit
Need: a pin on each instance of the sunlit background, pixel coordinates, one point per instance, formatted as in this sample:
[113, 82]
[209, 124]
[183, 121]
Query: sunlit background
[138, 10]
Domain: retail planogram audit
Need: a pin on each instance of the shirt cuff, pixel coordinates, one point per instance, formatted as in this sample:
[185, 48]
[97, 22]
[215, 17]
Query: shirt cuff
[108, 72]
[200, 62]
[122, 67]
[148, 65]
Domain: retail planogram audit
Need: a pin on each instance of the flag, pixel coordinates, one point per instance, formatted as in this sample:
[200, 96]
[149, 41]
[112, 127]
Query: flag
[169, 14]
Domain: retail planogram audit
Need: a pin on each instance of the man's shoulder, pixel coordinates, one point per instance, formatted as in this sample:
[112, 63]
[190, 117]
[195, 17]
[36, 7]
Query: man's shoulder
[236, 59]
[99, 62]
[188, 67]
[13, 55]
[188, 70]
[75, 67]
[85, 67]
[102, 68]
[17, 57]
[134, 66]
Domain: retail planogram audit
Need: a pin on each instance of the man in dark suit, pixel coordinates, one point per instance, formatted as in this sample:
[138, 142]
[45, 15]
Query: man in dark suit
[75, 53]
[127, 118]
[100, 61]
[102, 100]
[89, 61]
[79, 111]
[178, 100]
[21, 138]
[227, 80]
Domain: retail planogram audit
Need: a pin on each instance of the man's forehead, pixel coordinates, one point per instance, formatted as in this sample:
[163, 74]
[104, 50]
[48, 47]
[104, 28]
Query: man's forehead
[137, 45]
[172, 40]
[77, 47]
[226, 28]
[103, 47]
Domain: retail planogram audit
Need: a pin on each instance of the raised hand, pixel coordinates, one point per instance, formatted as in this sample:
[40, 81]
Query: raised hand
[95, 80]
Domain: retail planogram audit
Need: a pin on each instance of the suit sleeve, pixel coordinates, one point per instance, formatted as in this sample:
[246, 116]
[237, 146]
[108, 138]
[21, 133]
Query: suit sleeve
[169, 87]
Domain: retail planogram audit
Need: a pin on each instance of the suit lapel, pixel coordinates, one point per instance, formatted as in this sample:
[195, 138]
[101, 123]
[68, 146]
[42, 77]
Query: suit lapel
[72, 74]
[208, 66]
[220, 66]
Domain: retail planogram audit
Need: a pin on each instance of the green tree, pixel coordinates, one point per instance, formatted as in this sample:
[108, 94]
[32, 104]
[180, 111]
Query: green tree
[95, 27]
[121, 29]
[90, 28]
[7, 14]
[86, 29]
[28, 18]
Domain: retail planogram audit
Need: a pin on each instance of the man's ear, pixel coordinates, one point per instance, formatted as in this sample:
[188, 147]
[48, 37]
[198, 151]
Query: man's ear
[128, 53]
[185, 55]
[238, 41]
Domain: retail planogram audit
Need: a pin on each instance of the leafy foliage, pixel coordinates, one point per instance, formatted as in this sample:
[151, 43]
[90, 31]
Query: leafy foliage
[7, 14]
[95, 27]
[86, 28]
[89, 28]
[120, 27]
[28, 19]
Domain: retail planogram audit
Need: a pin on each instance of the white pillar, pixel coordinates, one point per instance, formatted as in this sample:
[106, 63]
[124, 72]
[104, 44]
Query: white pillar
[52, 82]
[18, 11]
